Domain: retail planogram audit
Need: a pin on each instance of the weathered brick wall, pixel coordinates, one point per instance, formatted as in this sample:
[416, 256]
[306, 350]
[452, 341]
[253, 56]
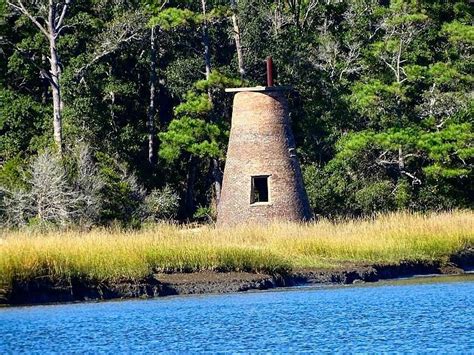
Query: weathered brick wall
[261, 143]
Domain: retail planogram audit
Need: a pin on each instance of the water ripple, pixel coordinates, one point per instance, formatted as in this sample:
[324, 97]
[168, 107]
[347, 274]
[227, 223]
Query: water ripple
[420, 317]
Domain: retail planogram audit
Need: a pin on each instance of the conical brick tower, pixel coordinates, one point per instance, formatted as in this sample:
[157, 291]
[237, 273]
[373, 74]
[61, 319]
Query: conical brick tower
[262, 177]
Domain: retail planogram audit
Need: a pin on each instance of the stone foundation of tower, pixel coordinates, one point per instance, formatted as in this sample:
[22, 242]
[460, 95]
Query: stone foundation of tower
[262, 177]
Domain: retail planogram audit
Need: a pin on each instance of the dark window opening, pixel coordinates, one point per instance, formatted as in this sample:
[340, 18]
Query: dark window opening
[259, 189]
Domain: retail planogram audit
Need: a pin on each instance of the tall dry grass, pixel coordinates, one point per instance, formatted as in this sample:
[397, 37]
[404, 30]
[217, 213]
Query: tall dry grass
[104, 254]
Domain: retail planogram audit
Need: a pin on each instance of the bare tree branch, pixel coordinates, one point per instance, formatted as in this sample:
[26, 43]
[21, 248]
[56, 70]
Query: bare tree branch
[33, 19]
[61, 17]
[123, 30]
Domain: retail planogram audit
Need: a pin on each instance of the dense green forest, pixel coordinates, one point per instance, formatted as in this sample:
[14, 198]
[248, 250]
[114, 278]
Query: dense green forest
[115, 111]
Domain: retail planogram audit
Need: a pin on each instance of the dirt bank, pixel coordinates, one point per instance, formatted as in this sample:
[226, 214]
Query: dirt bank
[44, 290]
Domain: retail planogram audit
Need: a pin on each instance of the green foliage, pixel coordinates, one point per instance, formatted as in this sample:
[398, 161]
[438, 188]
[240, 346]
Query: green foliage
[218, 81]
[121, 194]
[172, 18]
[377, 101]
[22, 123]
[459, 32]
[375, 197]
[415, 72]
[437, 171]
[204, 214]
[180, 73]
[403, 13]
[193, 136]
[454, 138]
[12, 174]
[196, 104]
[444, 73]
[382, 110]
[194, 131]
[321, 191]
[402, 194]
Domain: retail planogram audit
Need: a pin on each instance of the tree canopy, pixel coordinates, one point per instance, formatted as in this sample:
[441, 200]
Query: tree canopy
[382, 107]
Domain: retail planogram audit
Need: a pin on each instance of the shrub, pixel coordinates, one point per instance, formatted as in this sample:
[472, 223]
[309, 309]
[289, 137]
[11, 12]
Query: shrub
[17, 207]
[161, 204]
[205, 214]
[122, 196]
[53, 193]
[88, 185]
[11, 173]
[375, 197]
[53, 197]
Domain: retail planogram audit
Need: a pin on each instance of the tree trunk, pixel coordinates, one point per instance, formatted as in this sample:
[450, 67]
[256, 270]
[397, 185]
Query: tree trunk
[190, 181]
[44, 87]
[205, 40]
[216, 172]
[401, 160]
[217, 179]
[55, 74]
[51, 28]
[238, 44]
[152, 108]
[56, 92]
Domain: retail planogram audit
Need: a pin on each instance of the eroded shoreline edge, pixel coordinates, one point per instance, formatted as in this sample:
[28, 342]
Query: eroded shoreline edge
[46, 291]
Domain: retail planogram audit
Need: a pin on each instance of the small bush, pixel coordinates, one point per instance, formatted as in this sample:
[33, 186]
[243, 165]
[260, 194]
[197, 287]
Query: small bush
[121, 195]
[375, 197]
[88, 185]
[11, 173]
[53, 198]
[205, 214]
[17, 207]
[161, 204]
[53, 191]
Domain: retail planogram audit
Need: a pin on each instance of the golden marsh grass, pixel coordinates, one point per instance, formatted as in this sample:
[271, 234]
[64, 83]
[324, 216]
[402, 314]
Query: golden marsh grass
[107, 254]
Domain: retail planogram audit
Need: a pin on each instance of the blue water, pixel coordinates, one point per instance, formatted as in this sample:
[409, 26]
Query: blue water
[422, 317]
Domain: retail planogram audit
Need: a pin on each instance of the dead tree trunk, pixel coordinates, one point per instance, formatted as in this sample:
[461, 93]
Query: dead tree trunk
[238, 43]
[152, 108]
[205, 40]
[51, 26]
[55, 73]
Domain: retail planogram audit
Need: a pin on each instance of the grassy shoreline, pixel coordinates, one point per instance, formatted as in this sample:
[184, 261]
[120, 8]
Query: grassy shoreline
[110, 255]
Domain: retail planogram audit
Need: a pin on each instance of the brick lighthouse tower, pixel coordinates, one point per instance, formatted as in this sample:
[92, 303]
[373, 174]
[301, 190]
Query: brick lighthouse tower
[262, 177]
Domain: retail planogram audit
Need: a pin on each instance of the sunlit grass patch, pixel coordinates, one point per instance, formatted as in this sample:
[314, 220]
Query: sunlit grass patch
[108, 255]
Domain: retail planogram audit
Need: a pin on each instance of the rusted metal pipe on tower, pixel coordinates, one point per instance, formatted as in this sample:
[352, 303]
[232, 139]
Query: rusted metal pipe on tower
[269, 71]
